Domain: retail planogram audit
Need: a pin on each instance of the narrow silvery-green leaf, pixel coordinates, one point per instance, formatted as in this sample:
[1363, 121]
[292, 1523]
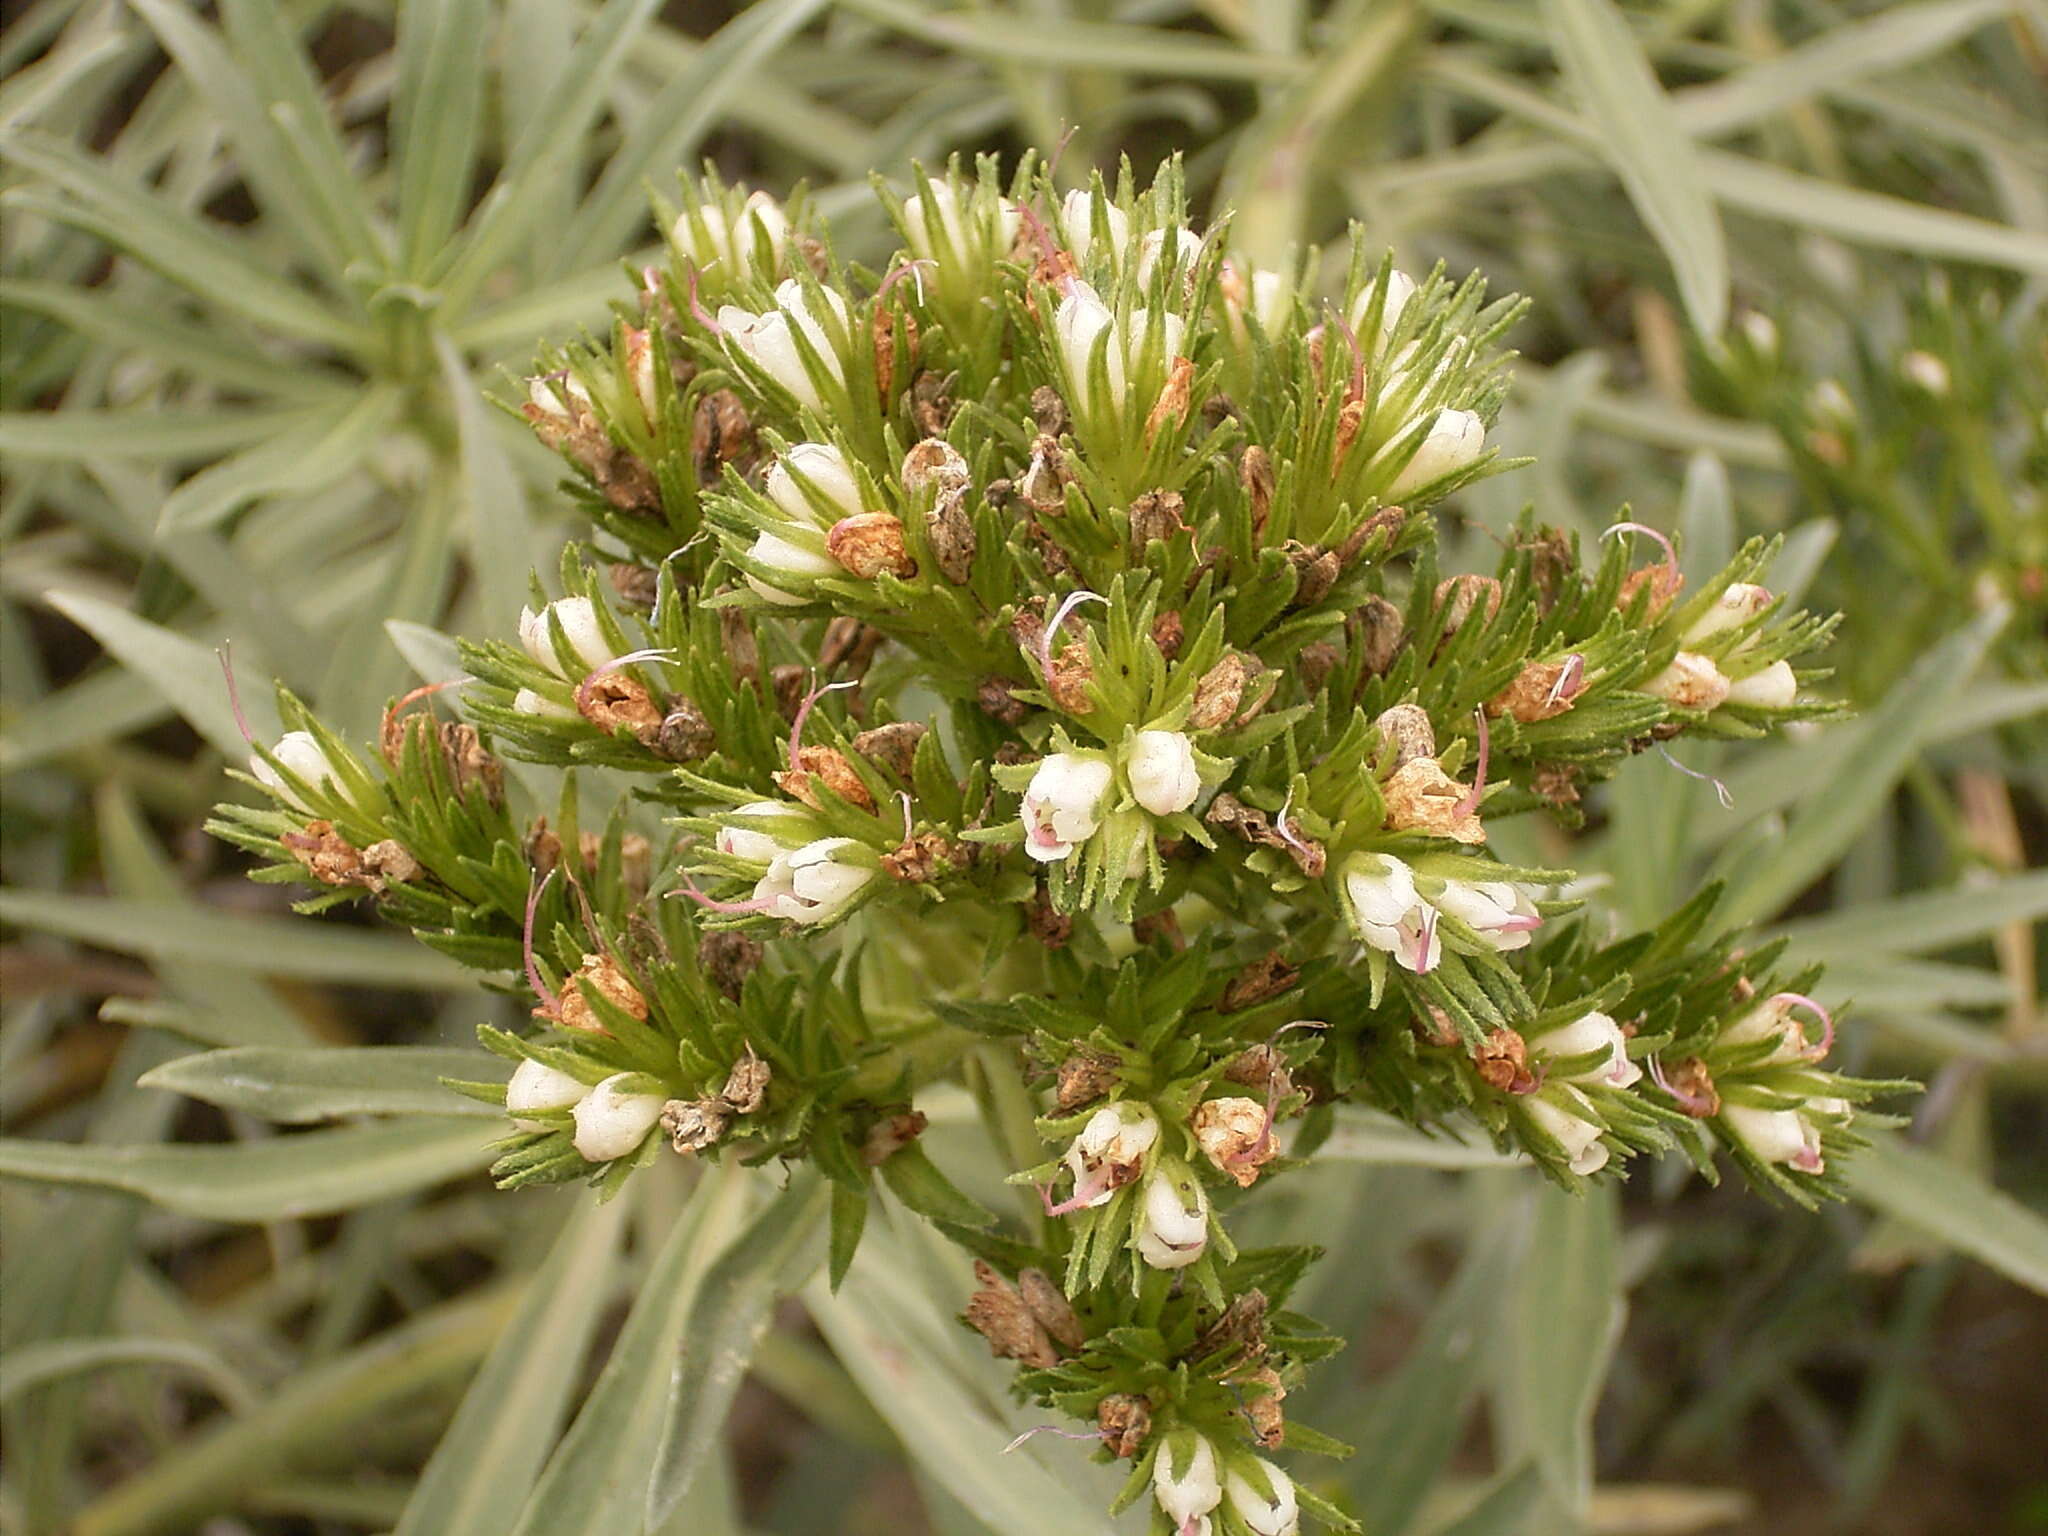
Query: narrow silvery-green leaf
[1954, 1206]
[333, 442]
[32, 1365]
[310, 1084]
[730, 1312]
[483, 1467]
[436, 121]
[314, 1174]
[1640, 135]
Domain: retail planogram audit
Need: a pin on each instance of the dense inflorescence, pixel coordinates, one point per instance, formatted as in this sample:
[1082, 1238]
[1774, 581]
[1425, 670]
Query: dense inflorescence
[1043, 642]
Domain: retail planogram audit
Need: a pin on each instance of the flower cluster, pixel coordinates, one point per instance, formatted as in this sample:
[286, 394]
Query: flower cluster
[1058, 615]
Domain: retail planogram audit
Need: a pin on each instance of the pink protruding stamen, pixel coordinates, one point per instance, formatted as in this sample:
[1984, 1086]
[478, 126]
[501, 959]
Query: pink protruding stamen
[1085, 1192]
[1422, 937]
[1192, 1526]
[697, 310]
[1067, 605]
[1815, 1050]
[1721, 792]
[656, 653]
[533, 976]
[803, 713]
[1059, 150]
[1036, 228]
[415, 696]
[1808, 1160]
[1470, 803]
[226, 657]
[1692, 1103]
[1054, 1429]
[1536, 1080]
[1357, 391]
[897, 273]
[1571, 679]
[1253, 1152]
[713, 904]
[1670, 554]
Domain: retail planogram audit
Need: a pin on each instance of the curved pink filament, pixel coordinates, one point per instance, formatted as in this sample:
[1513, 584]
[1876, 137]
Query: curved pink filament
[656, 653]
[1067, 605]
[1470, 802]
[226, 657]
[1054, 1429]
[533, 976]
[1085, 1192]
[803, 713]
[1253, 1152]
[1036, 228]
[1670, 554]
[697, 311]
[1721, 792]
[1357, 391]
[1422, 937]
[1571, 679]
[713, 904]
[1536, 1080]
[897, 273]
[1688, 1101]
[1815, 1050]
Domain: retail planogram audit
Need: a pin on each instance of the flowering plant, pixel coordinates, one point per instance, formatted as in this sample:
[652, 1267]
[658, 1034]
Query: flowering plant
[1063, 606]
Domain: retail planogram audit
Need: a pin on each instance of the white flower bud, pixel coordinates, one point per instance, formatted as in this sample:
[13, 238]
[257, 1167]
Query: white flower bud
[1925, 371]
[769, 340]
[1184, 1478]
[1773, 688]
[529, 702]
[640, 369]
[1278, 1516]
[1499, 911]
[1077, 225]
[815, 883]
[952, 226]
[1762, 333]
[577, 619]
[1388, 914]
[1743, 601]
[1775, 1135]
[300, 752]
[542, 393]
[1571, 1124]
[1117, 1136]
[1063, 804]
[1454, 442]
[781, 555]
[1400, 289]
[732, 242]
[1161, 768]
[828, 474]
[1172, 1226]
[1082, 318]
[1594, 1032]
[535, 1085]
[610, 1123]
[1692, 681]
[1175, 242]
[754, 846]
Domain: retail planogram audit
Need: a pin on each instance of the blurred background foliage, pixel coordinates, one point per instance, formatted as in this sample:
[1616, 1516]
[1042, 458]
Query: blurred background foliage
[264, 260]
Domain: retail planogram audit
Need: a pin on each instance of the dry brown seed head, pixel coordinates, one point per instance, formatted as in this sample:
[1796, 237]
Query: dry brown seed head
[936, 463]
[892, 746]
[998, 1313]
[1125, 1420]
[746, 1085]
[890, 1136]
[1262, 1066]
[1169, 633]
[728, 958]
[1049, 1304]
[328, 856]
[1264, 979]
[1269, 1423]
[598, 975]
[1072, 672]
[827, 766]
[720, 434]
[1421, 797]
[949, 529]
[1220, 693]
[1557, 783]
[1407, 729]
[1172, 405]
[1534, 694]
[1083, 1077]
[869, 543]
[636, 585]
[1663, 580]
[1503, 1062]
[1157, 515]
[543, 848]
[1459, 595]
[694, 1124]
[1051, 928]
[1235, 1135]
[686, 736]
[614, 701]
[1315, 571]
[931, 402]
[1695, 1084]
[1315, 664]
[1255, 473]
[1381, 632]
[469, 765]
[1049, 412]
[849, 646]
[924, 858]
[390, 861]
[995, 699]
[1043, 484]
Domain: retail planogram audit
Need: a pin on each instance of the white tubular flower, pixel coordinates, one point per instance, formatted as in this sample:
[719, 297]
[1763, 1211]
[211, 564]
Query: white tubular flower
[610, 1123]
[706, 237]
[781, 555]
[541, 392]
[828, 473]
[1455, 441]
[537, 1086]
[1692, 681]
[1063, 804]
[1174, 242]
[754, 846]
[1773, 1019]
[1925, 371]
[1572, 1125]
[640, 369]
[1082, 317]
[1184, 1478]
[1161, 768]
[1388, 914]
[1499, 911]
[1264, 296]
[1776, 1135]
[1773, 688]
[1278, 1516]
[528, 702]
[1077, 225]
[815, 883]
[1172, 1227]
[1743, 601]
[1594, 1032]
[950, 222]
[769, 340]
[577, 618]
[300, 752]
[1109, 1150]
[1400, 289]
